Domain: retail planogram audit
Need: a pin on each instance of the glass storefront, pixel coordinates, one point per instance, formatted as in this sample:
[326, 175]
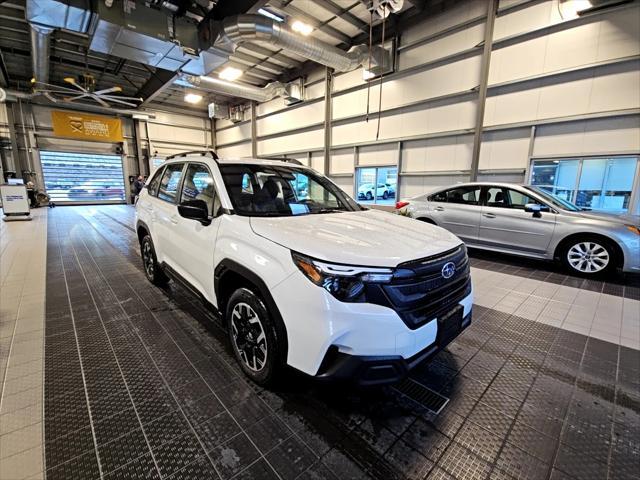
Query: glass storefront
[602, 184]
[377, 185]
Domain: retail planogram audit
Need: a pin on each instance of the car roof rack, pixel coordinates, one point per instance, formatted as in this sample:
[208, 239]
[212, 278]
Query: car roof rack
[203, 153]
[282, 159]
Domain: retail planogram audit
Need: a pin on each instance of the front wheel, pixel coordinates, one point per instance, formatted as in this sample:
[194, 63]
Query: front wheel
[385, 195]
[588, 256]
[369, 196]
[152, 270]
[254, 338]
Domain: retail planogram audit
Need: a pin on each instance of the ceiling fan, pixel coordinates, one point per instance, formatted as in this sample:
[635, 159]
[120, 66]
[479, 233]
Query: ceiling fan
[83, 88]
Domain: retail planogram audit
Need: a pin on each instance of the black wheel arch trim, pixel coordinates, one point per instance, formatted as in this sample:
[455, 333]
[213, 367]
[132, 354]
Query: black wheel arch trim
[141, 224]
[228, 265]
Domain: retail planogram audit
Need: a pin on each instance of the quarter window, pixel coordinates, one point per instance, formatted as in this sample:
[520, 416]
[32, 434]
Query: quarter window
[170, 181]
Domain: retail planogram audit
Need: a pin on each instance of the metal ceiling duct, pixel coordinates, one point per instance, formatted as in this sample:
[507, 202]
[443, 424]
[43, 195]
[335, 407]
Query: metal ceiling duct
[40, 52]
[46, 15]
[260, 29]
[223, 87]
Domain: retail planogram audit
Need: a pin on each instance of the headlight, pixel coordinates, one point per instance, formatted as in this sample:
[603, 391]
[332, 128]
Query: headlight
[633, 229]
[344, 282]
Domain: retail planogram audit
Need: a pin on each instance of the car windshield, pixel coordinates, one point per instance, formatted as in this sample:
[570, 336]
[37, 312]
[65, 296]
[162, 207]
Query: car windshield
[282, 191]
[555, 200]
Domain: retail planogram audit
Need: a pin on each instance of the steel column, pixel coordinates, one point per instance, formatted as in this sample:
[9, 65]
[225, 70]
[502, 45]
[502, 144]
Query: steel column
[328, 113]
[214, 141]
[492, 6]
[13, 160]
[254, 131]
[137, 133]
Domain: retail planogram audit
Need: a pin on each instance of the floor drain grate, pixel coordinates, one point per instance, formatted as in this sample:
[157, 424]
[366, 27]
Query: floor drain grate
[426, 397]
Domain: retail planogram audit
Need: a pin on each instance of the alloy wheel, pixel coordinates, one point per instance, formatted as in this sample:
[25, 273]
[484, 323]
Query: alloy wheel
[588, 257]
[249, 337]
[147, 259]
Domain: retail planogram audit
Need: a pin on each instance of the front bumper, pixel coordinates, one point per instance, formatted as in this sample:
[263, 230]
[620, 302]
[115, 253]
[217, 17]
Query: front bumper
[317, 323]
[631, 251]
[380, 370]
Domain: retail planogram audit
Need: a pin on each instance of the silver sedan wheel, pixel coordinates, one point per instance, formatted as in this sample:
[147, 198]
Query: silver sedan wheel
[588, 257]
[249, 337]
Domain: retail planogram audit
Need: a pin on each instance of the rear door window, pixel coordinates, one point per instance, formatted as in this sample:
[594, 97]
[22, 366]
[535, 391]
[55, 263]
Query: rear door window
[170, 182]
[469, 195]
[155, 183]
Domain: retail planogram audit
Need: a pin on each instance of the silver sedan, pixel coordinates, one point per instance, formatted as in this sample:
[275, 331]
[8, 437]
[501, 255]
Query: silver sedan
[531, 222]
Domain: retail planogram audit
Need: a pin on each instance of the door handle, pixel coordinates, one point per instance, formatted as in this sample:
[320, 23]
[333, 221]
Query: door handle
[489, 215]
[173, 220]
[439, 209]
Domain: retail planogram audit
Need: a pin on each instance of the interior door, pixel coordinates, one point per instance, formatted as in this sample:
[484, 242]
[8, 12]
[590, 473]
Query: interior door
[458, 210]
[194, 258]
[505, 224]
[166, 214]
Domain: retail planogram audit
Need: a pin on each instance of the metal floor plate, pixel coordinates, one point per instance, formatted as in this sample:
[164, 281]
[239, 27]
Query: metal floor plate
[140, 383]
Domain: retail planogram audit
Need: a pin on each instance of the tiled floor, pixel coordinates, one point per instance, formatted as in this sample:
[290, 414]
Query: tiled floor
[22, 299]
[139, 382]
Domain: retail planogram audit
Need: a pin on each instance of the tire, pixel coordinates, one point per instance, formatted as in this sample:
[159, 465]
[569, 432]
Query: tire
[385, 195]
[254, 337]
[369, 196]
[588, 256]
[152, 270]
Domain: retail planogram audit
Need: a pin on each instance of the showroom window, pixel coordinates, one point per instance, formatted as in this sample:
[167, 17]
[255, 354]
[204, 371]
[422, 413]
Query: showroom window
[602, 184]
[377, 185]
[82, 177]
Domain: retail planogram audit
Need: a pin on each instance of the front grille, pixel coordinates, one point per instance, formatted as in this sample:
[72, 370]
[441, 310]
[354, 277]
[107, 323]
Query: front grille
[421, 293]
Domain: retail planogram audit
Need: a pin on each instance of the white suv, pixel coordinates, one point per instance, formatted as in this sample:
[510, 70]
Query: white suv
[299, 272]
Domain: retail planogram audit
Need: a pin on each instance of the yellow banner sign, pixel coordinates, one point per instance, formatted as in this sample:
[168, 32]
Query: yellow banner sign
[84, 126]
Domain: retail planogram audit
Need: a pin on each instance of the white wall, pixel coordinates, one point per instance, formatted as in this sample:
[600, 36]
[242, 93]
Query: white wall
[168, 133]
[575, 79]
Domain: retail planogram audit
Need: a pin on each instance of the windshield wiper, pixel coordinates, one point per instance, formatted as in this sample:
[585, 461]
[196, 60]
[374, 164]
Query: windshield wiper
[328, 210]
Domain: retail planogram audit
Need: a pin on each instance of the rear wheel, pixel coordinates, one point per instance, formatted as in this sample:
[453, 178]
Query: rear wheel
[152, 270]
[385, 195]
[254, 337]
[588, 256]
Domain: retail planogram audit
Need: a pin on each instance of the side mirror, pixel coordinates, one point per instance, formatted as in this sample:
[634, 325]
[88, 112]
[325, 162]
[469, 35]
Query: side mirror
[195, 210]
[536, 209]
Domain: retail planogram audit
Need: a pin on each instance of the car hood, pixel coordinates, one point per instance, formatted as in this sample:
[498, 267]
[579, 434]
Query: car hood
[368, 238]
[626, 219]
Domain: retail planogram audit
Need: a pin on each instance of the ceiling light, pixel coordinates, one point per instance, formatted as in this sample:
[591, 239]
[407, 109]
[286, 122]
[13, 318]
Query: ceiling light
[301, 27]
[230, 74]
[270, 14]
[192, 98]
[367, 74]
[569, 9]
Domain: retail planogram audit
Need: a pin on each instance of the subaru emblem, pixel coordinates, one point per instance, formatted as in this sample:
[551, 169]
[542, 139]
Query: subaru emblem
[448, 270]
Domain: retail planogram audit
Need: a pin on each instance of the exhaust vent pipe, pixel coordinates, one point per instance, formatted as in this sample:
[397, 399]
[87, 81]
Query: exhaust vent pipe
[239, 29]
[40, 52]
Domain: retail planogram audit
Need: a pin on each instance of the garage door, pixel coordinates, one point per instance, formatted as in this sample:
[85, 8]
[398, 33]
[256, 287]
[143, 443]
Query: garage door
[83, 178]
